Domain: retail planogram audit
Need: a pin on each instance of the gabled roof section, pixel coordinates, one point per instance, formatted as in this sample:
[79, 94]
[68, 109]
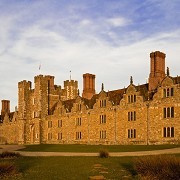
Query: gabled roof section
[78, 98]
[9, 115]
[1, 118]
[168, 80]
[143, 89]
[90, 103]
[116, 95]
[176, 80]
[51, 111]
[68, 104]
[131, 88]
[102, 94]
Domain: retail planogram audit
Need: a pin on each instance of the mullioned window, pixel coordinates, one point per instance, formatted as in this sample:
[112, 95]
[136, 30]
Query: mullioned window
[168, 92]
[131, 133]
[168, 112]
[102, 134]
[168, 132]
[131, 98]
[132, 116]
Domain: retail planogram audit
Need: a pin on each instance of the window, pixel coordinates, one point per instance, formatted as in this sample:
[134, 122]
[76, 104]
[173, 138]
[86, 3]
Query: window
[168, 112]
[103, 103]
[132, 116]
[49, 136]
[78, 135]
[59, 136]
[78, 107]
[102, 134]
[37, 136]
[168, 132]
[59, 123]
[131, 133]
[33, 101]
[168, 92]
[131, 98]
[35, 114]
[78, 121]
[49, 124]
[60, 110]
[102, 119]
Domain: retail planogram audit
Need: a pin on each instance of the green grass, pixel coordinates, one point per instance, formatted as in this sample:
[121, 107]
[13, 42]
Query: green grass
[94, 148]
[73, 168]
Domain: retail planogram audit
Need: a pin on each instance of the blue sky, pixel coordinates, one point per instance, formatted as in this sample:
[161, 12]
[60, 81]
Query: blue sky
[109, 38]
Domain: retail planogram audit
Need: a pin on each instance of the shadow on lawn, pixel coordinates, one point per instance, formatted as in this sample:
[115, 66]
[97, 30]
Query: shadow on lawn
[130, 168]
[26, 163]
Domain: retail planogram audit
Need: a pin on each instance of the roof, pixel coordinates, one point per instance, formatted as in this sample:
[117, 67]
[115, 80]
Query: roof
[116, 95]
[176, 80]
[68, 104]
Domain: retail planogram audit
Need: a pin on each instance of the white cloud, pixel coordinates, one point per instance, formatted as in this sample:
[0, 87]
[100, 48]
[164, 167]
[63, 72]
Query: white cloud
[85, 22]
[112, 65]
[62, 45]
[118, 21]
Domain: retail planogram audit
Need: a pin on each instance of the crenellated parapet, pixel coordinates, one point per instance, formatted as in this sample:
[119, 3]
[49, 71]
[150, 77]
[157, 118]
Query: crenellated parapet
[70, 89]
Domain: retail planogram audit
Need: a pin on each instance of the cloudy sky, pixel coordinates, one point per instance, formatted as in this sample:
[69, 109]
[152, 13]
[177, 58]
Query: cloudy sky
[109, 38]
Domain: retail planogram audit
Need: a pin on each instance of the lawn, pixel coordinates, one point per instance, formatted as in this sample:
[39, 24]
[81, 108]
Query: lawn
[95, 148]
[73, 168]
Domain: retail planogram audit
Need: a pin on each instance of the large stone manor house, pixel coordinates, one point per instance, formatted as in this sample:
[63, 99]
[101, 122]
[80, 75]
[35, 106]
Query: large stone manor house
[137, 114]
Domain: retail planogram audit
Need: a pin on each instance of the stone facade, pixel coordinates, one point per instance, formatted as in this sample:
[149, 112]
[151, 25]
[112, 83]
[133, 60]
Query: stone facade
[143, 114]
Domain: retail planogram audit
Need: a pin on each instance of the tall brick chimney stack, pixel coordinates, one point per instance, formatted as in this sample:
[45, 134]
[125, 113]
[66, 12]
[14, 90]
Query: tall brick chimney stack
[157, 71]
[88, 85]
[5, 107]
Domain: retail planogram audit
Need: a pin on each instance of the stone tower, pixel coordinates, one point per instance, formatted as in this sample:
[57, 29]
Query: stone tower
[24, 88]
[157, 69]
[5, 107]
[70, 89]
[88, 85]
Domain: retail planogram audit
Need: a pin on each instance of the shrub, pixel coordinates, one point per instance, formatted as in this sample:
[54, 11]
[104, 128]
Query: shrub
[158, 167]
[7, 169]
[7, 154]
[103, 153]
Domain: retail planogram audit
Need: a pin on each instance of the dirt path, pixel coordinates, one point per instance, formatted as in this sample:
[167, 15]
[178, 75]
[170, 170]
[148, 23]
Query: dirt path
[14, 148]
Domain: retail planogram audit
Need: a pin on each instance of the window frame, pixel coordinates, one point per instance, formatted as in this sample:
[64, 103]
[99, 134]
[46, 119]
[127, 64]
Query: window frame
[168, 132]
[168, 112]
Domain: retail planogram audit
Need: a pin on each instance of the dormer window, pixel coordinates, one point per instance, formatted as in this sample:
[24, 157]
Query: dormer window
[103, 103]
[131, 98]
[79, 107]
[168, 92]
